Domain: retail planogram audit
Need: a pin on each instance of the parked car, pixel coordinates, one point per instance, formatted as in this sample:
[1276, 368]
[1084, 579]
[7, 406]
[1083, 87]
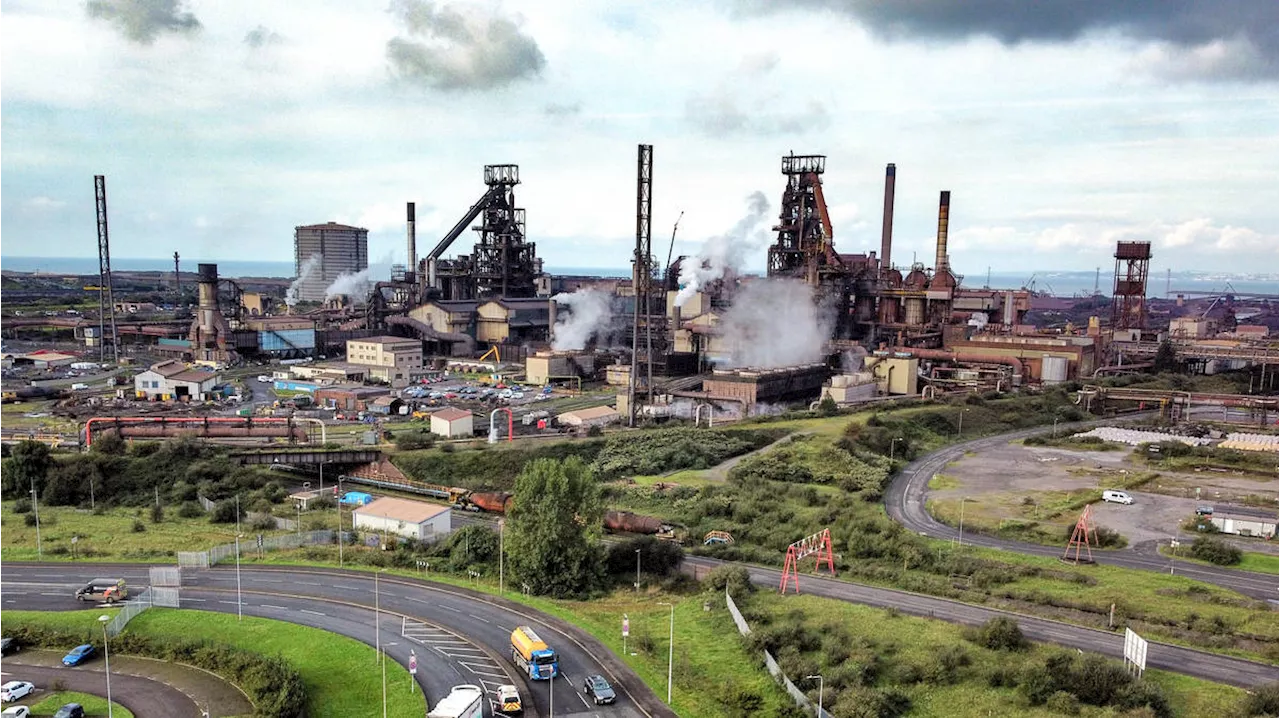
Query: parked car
[1204, 511]
[264, 378]
[599, 689]
[1117, 497]
[13, 690]
[7, 646]
[70, 710]
[517, 395]
[16, 712]
[79, 655]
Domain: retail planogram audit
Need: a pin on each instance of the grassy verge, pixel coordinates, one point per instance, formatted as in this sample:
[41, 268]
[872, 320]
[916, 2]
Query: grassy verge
[108, 536]
[861, 650]
[340, 673]
[93, 705]
[1251, 561]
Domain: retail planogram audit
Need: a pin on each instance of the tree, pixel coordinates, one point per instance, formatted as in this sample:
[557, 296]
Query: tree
[28, 466]
[553, 526]
[1166, 358]
[828, 407]
[109, 442]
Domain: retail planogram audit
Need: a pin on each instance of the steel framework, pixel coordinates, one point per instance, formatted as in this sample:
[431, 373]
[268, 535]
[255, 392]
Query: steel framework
[106, 299]
[1081, 538]
[804, 228]
[648, 311]
[1129, 303]
[820, 544]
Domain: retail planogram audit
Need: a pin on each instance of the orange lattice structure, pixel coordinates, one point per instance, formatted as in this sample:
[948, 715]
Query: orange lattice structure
[1081, 538]
[820, 544]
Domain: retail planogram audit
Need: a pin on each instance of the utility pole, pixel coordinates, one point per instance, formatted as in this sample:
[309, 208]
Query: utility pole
[177, 277]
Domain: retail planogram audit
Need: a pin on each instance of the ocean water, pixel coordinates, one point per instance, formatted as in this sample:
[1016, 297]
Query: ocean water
[1059, 283]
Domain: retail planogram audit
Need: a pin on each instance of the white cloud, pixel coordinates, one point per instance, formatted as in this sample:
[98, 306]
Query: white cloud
[43, 204]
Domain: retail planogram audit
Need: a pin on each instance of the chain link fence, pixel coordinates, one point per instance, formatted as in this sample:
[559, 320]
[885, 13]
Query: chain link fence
[771, 663]
[130, 609]
[258, 543]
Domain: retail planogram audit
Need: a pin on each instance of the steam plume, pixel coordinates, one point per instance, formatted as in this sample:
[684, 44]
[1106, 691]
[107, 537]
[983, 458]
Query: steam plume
[774, 323]
[728, 252]
[356, 285]
[590, 312]
[304, 273]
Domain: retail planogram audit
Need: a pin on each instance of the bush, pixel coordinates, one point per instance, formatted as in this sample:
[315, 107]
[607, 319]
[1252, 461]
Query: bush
[138, 526]
[29, 519]
[415, 441]
[1064, 703]
[1263, 700]
[594, 431]
[735, 579]
[1001, 634]
[1215, 551]
[263, 523]
[224, 512]
[657, 557]
[190, 510]
[22, 506]
[157, 513]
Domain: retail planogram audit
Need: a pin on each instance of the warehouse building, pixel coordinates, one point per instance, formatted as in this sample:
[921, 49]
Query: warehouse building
[595, 416]
[402, 517]
[173, 380]
[453, 423]
[339, 248]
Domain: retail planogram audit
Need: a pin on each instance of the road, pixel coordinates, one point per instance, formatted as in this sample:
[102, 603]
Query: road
[1213, 667]
[905, 503]
[143, 696]
[464, 634]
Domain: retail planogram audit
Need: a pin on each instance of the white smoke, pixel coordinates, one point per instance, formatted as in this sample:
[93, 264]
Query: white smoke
[304, 273]
[590, 313]
[356, 285]
[728, 252]
[774, 323]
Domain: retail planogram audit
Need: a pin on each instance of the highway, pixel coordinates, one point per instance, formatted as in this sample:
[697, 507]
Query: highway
[142, 696]
[459, 636]
[905, 503]
[1188, 661]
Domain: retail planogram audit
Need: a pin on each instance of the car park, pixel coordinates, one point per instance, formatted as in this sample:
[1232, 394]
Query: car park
[13, 690]
[79, 655]
[599, 689]
[70, 710]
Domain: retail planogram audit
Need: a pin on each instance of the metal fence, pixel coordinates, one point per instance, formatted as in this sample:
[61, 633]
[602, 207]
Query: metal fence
[165, 576]
[281, 523]
[253, 544]
[127, 612]
[193, 559]
[771, 663]
[165, 597]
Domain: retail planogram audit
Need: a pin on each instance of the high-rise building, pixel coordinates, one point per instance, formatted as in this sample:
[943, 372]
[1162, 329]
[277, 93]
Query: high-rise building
[337, 249]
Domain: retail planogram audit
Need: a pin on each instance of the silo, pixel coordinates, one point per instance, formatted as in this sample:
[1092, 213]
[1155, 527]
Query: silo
[1053, 370]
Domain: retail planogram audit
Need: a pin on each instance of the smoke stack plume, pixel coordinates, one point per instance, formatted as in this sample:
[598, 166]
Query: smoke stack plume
[413, 241]
[886, 230]
[940, 263]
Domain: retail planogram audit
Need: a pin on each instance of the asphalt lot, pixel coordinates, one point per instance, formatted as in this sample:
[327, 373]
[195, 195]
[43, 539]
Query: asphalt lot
[144, 697]
[466, 635]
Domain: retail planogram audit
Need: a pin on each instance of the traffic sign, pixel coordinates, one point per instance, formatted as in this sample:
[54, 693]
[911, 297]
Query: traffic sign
[259, 540]
[413, 663]
[626, 626]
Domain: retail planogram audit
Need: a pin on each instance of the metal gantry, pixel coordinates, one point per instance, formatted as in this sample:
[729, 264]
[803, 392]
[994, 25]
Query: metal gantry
[106, 300]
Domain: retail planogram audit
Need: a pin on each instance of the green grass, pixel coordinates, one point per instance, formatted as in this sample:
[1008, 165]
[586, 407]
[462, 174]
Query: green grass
[941, 482]
[687, 477]
[1250, 561]
[93, 705]
[108, 536]
[340, 673]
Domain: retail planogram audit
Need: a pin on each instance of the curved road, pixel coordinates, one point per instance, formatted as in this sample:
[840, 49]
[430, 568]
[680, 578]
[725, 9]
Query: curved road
[905, 503]
[143, 696]
[459, 636]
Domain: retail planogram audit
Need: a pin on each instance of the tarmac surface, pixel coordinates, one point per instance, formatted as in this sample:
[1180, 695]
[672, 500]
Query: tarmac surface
[145, 697]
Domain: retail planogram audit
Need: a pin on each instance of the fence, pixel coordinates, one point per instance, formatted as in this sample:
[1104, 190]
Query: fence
[127, 612]
[281, 523]
[771, 663]
[227, 551]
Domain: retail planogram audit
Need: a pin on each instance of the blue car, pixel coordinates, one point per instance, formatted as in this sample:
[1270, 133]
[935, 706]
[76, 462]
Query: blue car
[79, 655]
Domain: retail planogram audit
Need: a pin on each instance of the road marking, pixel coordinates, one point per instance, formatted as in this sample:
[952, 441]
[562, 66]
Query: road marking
[268, 605]
[503, 627]
[419, 600]
[583, 699]
[51, 594]
[308, 583]
[478, 618]
[229, 603]
[443, 605]
[345, 588]
[315, 613]
[198, 600]
[269, 580]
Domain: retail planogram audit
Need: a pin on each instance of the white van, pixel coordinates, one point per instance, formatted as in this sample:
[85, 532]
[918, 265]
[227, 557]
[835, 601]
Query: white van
[1117, 497]
[79, 387]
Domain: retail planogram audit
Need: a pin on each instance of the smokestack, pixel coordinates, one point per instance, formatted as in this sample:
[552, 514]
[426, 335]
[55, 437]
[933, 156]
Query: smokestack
[940, 263]
[413, 243]
[886, 231]
[552, 310]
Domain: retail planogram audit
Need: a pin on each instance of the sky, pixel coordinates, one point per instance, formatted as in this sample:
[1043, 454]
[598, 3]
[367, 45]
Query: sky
[1059, 126]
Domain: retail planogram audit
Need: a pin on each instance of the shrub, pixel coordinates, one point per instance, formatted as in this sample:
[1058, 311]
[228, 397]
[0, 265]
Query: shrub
[22, 506]
[263, 523]
[594, 431]
[190, 510]
[415, 441]
[1036, 684]
[1001, 634]
[138, 526]
[735, 579]
[1263, 700]
[157, 513]
[224, 512]
[1215, 551]
[1064, 703]
[29, 519]
[657, 557]
[945, 667]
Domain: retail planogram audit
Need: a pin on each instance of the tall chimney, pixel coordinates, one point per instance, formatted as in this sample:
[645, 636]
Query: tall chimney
[886, 231]
[413, 243]
[940, 263]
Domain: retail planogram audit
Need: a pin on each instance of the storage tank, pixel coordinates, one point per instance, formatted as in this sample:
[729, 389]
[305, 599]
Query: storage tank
[1053, 370]
[631, 523]
[839, 381]
[914, 311]
[498, 502]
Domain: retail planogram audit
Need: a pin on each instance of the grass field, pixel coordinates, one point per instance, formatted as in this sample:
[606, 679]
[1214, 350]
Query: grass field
[1250, 561]
[340, 673]
[14, 416]
[108, 536]
[93, 705]
[900, 644]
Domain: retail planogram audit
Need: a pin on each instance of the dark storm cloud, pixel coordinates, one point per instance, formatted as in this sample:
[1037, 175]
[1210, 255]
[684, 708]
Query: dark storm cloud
[461, 47]
[142, 21]
[1211, 39]
[262, 36]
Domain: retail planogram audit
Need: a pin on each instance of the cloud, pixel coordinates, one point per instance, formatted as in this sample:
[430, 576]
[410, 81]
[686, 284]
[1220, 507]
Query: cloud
[262, 36]
[567, 109]
[43, 204]
[142, 21]
[742, 103]
[1242, 31]
[461, 47]
[1096, 238]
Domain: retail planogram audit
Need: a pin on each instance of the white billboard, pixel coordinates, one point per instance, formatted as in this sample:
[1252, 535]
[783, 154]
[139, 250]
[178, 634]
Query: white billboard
[1135, 650]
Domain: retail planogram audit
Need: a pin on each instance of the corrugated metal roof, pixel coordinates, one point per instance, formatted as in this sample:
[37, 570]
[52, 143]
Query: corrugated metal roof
[410, 512]
[331, 225]
[451, 414]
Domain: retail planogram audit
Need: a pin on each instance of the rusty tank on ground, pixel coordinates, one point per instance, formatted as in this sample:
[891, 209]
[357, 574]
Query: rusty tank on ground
[633, 523]
[497, 502]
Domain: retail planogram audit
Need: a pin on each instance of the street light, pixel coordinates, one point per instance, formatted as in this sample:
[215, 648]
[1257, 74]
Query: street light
[962, 500]
[377, 613]
[501, 525]
[819, 677]
[960, 423]
[338, 500]
[671, 646]
[239, 603]
[106, 652]
[893, 445]
[35, 506]
[637, 570]
[1055, 427]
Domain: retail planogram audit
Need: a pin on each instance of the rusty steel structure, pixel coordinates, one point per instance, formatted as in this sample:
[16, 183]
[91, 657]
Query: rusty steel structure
[1129, 301]
[106, 300]
[648, 327]
[502, 263]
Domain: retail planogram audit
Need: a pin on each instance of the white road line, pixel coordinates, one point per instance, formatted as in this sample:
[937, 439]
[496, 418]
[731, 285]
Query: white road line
[480, 619]
[503, 627]
[444, 606]
[307, 583]
[584, 700]
[345, 588]
[197, 600]
[437, 650]
[268, 580]
[52, 594]
[419, 600]
[268, 605]
[229, 603]
[314, 613]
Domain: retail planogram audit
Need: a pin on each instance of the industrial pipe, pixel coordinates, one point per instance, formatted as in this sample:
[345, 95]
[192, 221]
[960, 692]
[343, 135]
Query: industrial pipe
[413, 242]
[972, 357]
[194, 422]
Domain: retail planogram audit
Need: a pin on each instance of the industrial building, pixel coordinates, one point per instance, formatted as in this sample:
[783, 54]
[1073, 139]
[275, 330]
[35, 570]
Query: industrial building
[453, 423]
[340, 249]
[173, 380]
[415, 520]
[394, 360]
[595, 416]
